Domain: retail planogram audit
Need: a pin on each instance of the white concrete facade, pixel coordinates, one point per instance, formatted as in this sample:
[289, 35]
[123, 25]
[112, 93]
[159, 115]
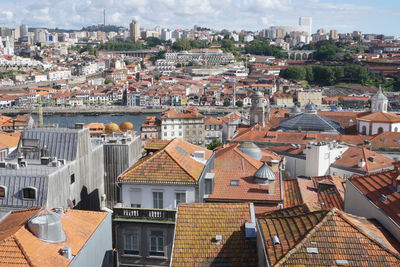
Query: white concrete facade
[138, 194]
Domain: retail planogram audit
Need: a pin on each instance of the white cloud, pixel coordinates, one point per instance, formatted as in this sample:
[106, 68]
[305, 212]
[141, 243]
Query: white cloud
[230, 14]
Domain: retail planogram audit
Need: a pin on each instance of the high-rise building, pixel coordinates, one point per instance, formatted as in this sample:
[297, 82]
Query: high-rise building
[306, 22]
[134, 30]
[23, 30]
[333, 35]
[40, 36]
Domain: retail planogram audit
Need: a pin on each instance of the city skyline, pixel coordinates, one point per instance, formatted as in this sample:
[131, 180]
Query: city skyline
[344, 16]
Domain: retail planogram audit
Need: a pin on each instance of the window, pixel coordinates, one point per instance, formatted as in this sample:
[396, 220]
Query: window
[173, 133]
[207, 186]
[131, 242]
[157, 243]
[180, 198]
[165, 127]
[180, 133]
[136, 197]
[2, 191]
[165, 134]
[158, 200]
[72, 178]
[395, 129]
[364, 130]
[235, 182]
[380, 130]
[29, 193]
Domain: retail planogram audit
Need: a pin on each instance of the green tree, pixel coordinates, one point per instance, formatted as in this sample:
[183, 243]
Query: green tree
[153, 41]
[262, 47]
[323, 75]
[107, 81]
[227, 103]
[181, 44]
[215, 143]
[239, 103]
[227, 45]
[326, 51]
[347, 57]
[293, 73]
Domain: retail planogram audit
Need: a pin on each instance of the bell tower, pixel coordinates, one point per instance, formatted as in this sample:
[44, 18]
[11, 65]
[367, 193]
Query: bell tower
[257, 110]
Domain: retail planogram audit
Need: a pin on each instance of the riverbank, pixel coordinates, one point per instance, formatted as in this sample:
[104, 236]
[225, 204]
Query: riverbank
[112, 110]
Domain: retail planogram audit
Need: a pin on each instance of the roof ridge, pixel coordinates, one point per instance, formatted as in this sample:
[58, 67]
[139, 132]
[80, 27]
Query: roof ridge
[293, 216]
[341, 215]
[22, 249]
[179, 164]
[245, 157]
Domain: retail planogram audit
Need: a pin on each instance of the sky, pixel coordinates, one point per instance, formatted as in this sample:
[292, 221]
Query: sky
[368, 16]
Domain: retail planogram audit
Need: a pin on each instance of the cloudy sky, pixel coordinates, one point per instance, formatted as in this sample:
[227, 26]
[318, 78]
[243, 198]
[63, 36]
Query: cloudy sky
[369, 16]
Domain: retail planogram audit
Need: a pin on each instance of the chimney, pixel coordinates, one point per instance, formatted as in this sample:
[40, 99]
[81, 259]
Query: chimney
[361, 163]
[396, 184]
[66, 252]
[275, 165]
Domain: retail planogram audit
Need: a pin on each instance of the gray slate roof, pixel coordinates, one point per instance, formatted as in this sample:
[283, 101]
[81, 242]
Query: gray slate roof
[60, 143]
[311, 122]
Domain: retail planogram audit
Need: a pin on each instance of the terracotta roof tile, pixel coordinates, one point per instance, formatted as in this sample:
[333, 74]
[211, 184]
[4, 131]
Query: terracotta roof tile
[332, 234]
[173, 163]
[198, 224]
[26, 249]
[380, 117]
[156, 144]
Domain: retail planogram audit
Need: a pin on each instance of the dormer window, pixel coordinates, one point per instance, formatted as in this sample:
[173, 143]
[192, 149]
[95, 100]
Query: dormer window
[29, 193]
[3, 191]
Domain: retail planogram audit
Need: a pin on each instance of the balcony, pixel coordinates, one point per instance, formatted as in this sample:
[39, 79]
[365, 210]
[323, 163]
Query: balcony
[144, 215]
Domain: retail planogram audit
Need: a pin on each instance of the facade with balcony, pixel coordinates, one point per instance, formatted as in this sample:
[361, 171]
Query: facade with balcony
[150, 191]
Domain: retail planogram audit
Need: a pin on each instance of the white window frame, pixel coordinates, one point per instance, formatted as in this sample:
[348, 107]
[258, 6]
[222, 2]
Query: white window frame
[157, 252]
[162, 199]
[176, 198]
[29, 187]
[134, 246]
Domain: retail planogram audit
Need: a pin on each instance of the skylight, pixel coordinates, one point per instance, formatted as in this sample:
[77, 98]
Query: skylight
[235, 182]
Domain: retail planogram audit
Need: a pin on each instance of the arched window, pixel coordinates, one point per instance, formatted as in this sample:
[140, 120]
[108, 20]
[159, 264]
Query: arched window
[364, 130]
[256, 118]
[395, 129]
[29, 193]
[3, 191]
[380, 130]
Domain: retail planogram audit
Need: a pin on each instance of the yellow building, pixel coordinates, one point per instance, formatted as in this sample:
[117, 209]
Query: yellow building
[304, 97]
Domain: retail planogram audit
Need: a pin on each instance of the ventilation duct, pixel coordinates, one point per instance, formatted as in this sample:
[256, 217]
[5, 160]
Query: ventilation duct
[46, 226]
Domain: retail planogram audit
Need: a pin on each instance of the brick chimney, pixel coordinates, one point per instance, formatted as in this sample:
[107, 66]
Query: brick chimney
[396, 179]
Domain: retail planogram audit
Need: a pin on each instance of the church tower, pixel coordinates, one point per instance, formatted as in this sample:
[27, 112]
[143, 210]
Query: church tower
[379, 102]
[257, 110]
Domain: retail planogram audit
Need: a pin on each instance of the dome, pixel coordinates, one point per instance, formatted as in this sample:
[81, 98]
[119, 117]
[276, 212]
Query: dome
[111, 127]
[310, 108]
[126, 126]
[379, 95]
[251, 150]
[295, 110]
[258, 93]
[264, 174]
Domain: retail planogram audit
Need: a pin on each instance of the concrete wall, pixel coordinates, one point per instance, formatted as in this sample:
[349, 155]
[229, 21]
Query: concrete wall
[98, 249]
[130, 192]
[117, 159]
[355, 202]
[295, 166]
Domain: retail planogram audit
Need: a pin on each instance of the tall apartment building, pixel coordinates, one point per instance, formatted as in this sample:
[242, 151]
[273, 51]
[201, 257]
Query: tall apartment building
[23, 30]
[187, 125]
[306, 22]
[134, 30]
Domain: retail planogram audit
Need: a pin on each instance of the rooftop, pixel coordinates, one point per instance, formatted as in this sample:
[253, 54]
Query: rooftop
[210, 233]
[19, 247]
[175, 163]
[296, 236]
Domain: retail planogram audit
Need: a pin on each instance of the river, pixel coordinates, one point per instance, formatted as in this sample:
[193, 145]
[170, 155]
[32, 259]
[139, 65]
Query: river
[69, 122]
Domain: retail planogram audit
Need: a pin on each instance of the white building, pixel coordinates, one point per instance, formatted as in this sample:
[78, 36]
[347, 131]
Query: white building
[57, 75]
[379, 120]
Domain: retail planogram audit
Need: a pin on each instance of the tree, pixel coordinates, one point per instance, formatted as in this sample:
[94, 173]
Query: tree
[153, 41]
[347, 57]
[181, 44]
[227, 103]
[326, 51]
[215, 143]
[227, 45]
[323, 75]
[107, 81]
[262, 47]
[239, 103]
[294, 73]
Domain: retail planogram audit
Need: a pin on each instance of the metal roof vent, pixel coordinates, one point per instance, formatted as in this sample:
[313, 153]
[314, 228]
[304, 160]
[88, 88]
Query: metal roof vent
[383, 198]
[312, 250]
[251, 150]
[361, 163]
[46, 226]
[342, 262]
[218, 239]
[66, 252]
[264, 175]
[275, 240]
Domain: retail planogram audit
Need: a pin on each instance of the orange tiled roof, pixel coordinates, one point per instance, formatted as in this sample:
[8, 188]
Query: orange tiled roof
[375, 185]
[156, 144]
[291, 193]
[231, 164]
[22, 248]
[334, 234]
[323, 192]
[173, 163]
[352, 156]
[212, 120]
[198, 224]
[380, 117]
